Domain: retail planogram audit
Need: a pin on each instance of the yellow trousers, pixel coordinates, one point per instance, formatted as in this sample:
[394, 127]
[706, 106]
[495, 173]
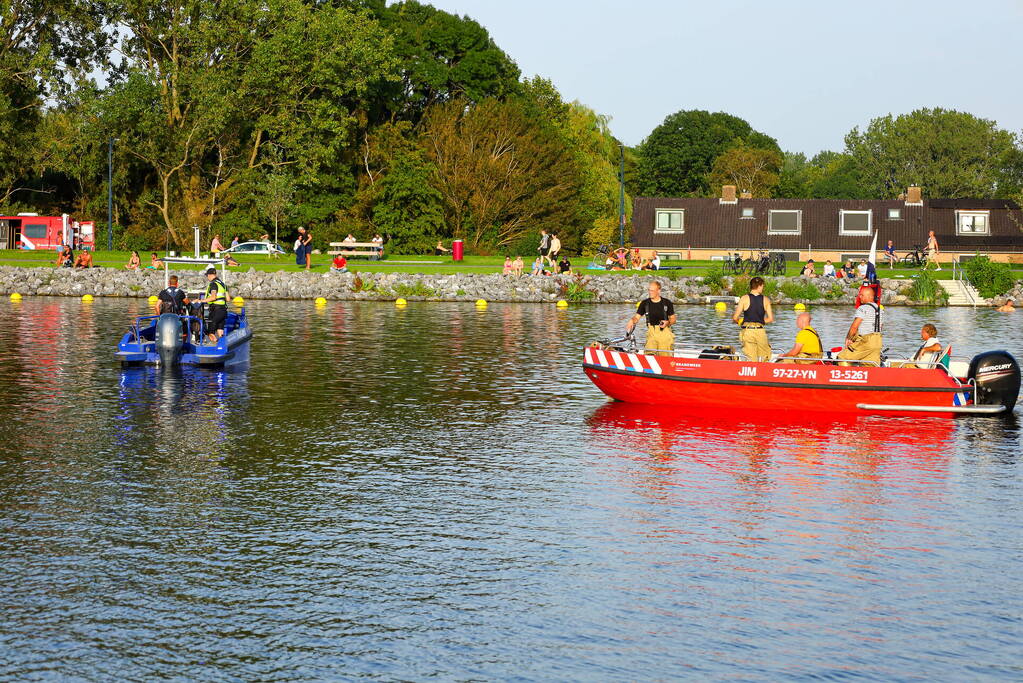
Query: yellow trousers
[803, 358]
[658, 339]
[863, 347]
[754, 344]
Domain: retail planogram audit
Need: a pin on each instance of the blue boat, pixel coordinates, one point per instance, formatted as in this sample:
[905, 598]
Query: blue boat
[171, 339]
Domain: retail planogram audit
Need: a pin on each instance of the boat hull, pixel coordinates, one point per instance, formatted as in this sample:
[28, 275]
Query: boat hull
[138, 347]
[729, 384]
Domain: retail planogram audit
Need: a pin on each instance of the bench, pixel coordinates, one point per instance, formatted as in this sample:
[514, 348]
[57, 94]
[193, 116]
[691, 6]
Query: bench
[367, 249]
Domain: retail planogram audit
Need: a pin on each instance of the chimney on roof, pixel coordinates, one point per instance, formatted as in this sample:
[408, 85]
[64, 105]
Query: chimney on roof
[728, 194]
[914, 195]
[745, 194]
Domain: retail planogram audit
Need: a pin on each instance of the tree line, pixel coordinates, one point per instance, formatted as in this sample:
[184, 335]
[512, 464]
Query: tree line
[250, 116]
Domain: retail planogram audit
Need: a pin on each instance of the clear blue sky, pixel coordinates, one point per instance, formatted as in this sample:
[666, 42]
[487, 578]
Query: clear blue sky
[803, 72]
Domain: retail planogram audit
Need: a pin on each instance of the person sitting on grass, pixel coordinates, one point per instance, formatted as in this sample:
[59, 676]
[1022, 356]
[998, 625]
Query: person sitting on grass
[134, 263]
[636, 262]
[653, 263]
[229, 260]
[537, 266]
[1007, 307]
[518, 266]
[849, 270]
[84, 259]
[65, 257]
[810, 269]
[155, 263]
[440, 249]
[829, 269]
[564, 266]
[340, 264]
[507, 270]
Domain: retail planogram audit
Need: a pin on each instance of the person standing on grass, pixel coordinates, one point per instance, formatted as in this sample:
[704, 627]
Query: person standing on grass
[932, 251]
[234, 242]
[307, 241]
[215, 246]
[300, 248]
[545, 245]
[555, 249]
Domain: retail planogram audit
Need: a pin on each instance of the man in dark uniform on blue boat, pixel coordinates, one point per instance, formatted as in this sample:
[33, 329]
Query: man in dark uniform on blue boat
[172, 299]
[215, 297]
[660, 316]
[752, 314]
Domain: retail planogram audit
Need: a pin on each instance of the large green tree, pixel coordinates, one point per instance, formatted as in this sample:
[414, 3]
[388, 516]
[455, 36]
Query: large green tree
[949, 153]
[676, 158]
[208, 85]
[498, 173]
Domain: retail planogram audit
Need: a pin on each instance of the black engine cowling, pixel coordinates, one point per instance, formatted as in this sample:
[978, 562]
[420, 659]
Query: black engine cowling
[997, 376]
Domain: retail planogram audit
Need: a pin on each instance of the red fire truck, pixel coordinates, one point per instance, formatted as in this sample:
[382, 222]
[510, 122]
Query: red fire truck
[31, 231]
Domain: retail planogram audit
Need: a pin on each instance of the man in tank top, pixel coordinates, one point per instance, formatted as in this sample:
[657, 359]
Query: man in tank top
[863, 341]
[752, 314]
[660, 316]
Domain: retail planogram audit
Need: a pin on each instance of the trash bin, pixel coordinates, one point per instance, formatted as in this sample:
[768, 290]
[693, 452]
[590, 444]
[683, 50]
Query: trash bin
[457, 250]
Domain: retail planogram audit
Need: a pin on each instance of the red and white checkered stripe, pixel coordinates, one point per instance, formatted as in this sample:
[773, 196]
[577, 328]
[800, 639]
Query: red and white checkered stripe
[634, 362]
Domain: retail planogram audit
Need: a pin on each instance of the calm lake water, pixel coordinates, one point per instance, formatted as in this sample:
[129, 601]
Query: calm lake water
[440, 492]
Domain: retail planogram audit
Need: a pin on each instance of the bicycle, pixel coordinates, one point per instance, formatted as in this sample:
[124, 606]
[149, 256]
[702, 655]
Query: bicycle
[913, 259]
[732, 264]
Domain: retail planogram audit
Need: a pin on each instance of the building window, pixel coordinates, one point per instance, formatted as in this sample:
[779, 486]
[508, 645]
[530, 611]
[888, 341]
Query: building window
[895, 214]
[854, 222]
[972, 222]
[669, 221]
[786, 222]
[747, 212]
[34, 232]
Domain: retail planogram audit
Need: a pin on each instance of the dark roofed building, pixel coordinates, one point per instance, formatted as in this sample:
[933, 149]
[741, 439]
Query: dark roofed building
[826, 228]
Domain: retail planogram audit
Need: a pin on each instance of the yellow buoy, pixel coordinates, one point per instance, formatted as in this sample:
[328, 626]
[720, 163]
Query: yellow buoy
[87, 297]
[153, 299]
[238, 301]
[720, 306]
[562, 303]
[320, 301]
[799, 307]
[400, 302]
[481, 303]
[15, 297]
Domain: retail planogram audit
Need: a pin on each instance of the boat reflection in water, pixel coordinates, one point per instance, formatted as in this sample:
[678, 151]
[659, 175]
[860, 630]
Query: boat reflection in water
[782, 452]
[180, 409]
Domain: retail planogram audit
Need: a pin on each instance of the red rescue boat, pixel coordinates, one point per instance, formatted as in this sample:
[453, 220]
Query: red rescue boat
[715, 378]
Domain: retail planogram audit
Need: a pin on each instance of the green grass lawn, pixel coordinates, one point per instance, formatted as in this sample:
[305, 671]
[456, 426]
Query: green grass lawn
[395, 263]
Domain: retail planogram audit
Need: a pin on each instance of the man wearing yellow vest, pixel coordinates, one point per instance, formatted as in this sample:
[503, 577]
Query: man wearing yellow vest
[808, 348]
[216, 298]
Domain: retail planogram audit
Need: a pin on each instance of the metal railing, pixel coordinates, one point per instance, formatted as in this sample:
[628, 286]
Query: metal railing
[965, 286]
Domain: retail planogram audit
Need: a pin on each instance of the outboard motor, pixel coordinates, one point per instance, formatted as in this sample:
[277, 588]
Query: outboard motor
[997, 376]
[168, 339]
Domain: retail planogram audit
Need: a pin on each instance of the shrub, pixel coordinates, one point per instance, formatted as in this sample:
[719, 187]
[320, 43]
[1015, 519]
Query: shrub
[576, 291]
[417, 288]
[926, 289]
[837, 291]
[801, 290]
[714, 278]
[740, 286]
[990, 278]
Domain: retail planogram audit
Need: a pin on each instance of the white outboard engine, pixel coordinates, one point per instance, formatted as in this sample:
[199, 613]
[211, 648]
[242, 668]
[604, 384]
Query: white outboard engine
[168, 339]
[997, 377]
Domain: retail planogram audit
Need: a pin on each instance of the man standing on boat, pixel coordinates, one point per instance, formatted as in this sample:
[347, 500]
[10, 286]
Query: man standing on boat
[864, 342]
[752, 314]
[216, 297]
[660, 316]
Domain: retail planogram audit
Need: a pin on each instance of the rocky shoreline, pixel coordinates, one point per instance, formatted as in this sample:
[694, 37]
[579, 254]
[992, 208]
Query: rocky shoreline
[253, 284]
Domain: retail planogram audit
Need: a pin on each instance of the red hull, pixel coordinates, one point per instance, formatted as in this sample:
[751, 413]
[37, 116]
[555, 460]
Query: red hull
[712, 383]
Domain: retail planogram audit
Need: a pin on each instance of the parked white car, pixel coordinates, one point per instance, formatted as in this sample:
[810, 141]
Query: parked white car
[266, 248]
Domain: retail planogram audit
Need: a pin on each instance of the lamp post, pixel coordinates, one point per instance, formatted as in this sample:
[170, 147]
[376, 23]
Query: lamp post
[621, 200]
[110, 194]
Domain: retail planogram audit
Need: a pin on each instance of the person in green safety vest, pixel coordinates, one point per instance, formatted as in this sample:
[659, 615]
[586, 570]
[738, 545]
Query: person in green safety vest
[216, 297]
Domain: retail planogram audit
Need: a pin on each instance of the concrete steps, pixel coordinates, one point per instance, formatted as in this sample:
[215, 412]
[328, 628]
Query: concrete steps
[962, 293]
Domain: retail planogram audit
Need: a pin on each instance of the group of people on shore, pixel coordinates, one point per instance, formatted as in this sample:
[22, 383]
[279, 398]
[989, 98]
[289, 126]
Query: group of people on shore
[753, 313]
[864, 270]
[623, 259]
[66, 257]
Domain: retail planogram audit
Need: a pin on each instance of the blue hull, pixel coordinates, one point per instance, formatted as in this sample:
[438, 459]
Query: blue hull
[138, 347]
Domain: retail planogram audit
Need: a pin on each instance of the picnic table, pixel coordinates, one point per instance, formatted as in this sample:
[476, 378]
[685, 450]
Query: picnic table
[367, 249]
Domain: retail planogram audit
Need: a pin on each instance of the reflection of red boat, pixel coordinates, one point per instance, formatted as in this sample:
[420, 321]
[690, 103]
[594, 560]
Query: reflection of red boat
[688, 377]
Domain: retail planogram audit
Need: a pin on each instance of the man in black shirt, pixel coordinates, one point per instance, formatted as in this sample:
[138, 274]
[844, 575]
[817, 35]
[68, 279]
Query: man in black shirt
[660, 316]
[564, 265]
[172, 299]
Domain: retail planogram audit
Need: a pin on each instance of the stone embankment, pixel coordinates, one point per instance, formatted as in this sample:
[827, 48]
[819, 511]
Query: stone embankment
[254, 284]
